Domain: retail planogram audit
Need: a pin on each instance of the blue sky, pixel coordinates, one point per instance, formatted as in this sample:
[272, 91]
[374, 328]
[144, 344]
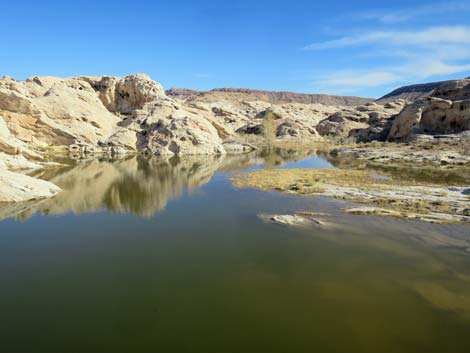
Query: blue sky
[340, 47]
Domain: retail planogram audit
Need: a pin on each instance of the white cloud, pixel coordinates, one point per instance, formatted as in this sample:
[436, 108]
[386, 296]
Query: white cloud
[391, 16]
[434, 51]
[424, 68]
[349, 78]
[411, 72]
[432, 35]
[412, 56]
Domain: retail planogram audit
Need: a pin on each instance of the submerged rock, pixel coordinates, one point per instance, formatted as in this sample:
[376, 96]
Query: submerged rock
[297, 220]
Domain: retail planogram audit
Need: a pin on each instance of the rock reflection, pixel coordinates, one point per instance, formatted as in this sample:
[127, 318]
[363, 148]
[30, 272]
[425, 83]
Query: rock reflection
[138, 185]
[457, 175]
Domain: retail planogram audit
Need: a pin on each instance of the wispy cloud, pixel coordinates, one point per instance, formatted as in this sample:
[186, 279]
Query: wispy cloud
[353, 80]
[419, 55]
[424, 68]
[443, 52]
[433, 35]
[350, 78]
[396, 16]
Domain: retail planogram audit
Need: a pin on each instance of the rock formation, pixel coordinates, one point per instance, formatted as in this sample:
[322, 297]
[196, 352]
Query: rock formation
[115, 116]
[415, 92]
[18, 187]
[364, 123]
[446, 111]
[100, 114]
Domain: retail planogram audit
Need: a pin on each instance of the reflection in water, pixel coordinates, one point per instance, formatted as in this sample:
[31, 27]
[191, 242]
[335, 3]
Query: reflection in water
[221, 277]
[418, 172]
[138, 185]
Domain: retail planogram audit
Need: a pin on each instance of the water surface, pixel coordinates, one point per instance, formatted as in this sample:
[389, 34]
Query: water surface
[143, 255]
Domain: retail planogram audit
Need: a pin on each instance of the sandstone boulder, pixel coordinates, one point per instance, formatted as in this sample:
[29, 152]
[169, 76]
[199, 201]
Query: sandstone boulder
[446, 117]
[7, 143]
[407, 122]
[341, 123]
[431, 116]
[102, 115]
[15, 187]
[167, 131]
[123, 95]
[44, 111]
[16, 162]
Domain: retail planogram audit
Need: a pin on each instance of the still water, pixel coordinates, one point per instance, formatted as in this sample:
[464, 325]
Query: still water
[145, 255]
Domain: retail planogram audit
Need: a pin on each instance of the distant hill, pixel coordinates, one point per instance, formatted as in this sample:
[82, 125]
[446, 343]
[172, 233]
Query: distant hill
[267, 96]
[409, 93]
[415, 92]
[181, 93]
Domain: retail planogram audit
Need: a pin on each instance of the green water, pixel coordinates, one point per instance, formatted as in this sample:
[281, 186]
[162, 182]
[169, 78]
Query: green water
[166, 256]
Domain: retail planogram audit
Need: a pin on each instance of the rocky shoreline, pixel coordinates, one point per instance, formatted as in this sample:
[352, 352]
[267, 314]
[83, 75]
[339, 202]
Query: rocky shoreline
[82, 117]
[384, 195]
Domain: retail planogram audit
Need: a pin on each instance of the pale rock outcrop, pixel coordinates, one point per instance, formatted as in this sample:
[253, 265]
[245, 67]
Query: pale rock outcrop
[295, 121]
[101, 115]
[131, 114]
[446, 117]
[431, 115]
[44, 111]
[443, 89]
[227, 116]
[441, 150]
[90, 115]
[118, 116]
[380, 122]
[7, 142]
[407, 122]
[16, 162]
[292, 120]
[365, 123]
[165, 127]
[152, 122]
[181, 136]
[124, 140]
[15, 187]
[127, 94]
[12, 146]
[341, 123]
